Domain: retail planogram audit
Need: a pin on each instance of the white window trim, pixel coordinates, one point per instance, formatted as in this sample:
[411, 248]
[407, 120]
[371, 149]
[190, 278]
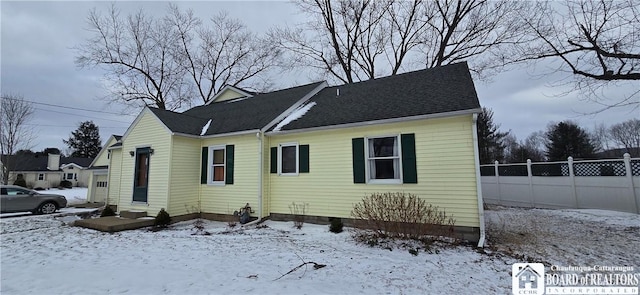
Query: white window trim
[44, 177]
[73, 177]
[289, 144]
[367, 160]
[210, 165]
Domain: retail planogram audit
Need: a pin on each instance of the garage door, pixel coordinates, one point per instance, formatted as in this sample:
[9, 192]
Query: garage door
[100, 188]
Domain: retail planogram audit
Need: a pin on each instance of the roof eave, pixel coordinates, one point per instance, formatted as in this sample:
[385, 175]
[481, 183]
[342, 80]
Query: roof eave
[244, 132]
[378, 122]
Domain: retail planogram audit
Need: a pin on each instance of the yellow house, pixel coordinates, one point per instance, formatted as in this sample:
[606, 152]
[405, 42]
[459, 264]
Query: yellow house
[324, 147]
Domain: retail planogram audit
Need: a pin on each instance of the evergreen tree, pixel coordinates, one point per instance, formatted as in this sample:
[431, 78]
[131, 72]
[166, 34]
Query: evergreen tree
[85, 141]
[567, 139]
[490, 140]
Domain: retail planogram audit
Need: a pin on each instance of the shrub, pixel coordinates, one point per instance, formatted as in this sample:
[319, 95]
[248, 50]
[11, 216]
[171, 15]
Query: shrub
[336, 225]
[199, 228]
[401, 215]
[299, 211]
[20, 181]
[66, 184]
[107, 212]
[162, 219]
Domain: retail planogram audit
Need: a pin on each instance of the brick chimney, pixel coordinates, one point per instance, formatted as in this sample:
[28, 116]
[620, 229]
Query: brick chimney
[53, 163]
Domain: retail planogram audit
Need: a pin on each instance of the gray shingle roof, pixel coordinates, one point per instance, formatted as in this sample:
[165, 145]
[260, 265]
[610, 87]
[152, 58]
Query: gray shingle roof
[235, 115]
[180, 122]
[40, 162]
[437, 90]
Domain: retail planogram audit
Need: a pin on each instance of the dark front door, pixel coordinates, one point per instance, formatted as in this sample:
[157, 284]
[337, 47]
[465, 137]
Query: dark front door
[141, 177]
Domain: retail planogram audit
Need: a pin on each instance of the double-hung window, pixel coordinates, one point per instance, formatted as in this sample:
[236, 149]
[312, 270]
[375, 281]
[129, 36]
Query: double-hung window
[383, 159]
[217, 165]
[69, 176]
[288, 164]
[41, 176]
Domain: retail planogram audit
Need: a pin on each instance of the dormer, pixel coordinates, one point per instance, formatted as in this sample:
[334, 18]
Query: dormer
[229, 92]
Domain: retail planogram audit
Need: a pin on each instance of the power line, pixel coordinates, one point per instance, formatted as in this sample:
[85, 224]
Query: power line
[81, 115]
[68, 126]
[67, 107]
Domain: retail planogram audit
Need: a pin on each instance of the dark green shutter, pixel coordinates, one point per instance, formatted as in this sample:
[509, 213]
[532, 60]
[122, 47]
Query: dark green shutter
[303, 160]
[204, 164]
[409, 170]
[274, 160]
[357, 147]
[229, 163]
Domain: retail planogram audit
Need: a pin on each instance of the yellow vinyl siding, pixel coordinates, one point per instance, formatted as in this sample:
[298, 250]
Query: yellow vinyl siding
[228, 94]
[115, 173]
[103, 159]
[147, 132]
[445, 168]
[185, 176]
[224, 199]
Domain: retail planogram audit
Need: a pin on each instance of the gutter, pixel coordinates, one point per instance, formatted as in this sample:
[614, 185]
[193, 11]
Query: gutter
[476, 156]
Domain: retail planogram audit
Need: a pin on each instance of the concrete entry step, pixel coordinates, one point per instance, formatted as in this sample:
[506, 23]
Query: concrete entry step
[114, 223]
[133, 214]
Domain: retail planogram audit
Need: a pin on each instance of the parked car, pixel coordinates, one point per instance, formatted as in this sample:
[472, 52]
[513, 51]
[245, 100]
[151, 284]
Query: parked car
[14, 198]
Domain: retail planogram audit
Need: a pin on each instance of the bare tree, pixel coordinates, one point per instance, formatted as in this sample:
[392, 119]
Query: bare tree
[15, 134]
[356, 40]
[169, 61]
[341, 39]
[600, 137]
[596, 41]
[627, 135]
[222, 53]
[140, 56]
[476, 30]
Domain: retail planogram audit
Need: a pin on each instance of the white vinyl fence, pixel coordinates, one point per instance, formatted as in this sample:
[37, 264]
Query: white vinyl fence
[599, 184]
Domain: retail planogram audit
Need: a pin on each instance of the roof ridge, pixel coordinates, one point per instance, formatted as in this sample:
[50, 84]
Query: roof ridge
[404, 74]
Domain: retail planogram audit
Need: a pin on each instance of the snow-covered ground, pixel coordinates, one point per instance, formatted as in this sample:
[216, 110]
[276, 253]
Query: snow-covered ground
[574, 237]
[76, 195]
[43, 255]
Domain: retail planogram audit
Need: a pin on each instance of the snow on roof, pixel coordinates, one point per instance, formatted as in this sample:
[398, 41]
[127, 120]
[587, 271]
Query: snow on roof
[238, 99]
[205, 128]
[295, 115]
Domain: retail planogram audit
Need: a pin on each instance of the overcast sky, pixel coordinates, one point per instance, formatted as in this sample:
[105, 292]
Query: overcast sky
[37, 40]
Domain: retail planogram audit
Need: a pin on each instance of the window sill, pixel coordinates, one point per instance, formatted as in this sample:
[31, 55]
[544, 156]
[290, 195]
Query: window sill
[134, 203]
[216, 183]
[288, 174]
[384, 181]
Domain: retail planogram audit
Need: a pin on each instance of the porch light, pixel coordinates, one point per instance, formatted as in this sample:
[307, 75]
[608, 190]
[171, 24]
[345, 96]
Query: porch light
[132, 153]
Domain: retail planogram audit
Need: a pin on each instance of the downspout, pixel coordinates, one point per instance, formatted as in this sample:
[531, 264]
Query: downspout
[478, 180]
[260, 136]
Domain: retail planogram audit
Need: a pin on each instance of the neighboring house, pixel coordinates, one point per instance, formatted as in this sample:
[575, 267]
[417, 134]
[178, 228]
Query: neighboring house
[48, 171]
[326, 147]
[98, 172]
